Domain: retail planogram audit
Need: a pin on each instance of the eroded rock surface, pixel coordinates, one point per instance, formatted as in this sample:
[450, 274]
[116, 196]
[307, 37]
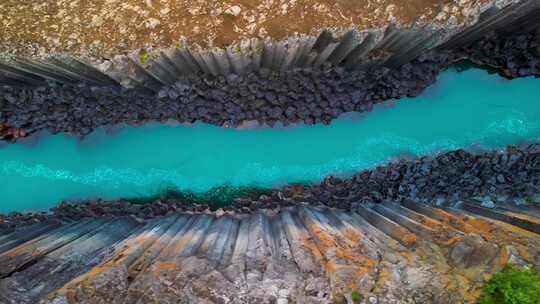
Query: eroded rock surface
[389, 253]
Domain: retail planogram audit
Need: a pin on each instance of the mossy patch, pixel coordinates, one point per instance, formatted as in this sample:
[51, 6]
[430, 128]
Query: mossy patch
[529, 200]
[513, 286]
[356, 297]
[144, 56]
[216, 197]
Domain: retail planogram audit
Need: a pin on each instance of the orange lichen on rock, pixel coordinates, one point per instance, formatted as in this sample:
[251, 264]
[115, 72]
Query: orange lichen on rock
[504, 255]
[169, 266]
[453, 221]
[408, 239]
[345, 251]
[352, 235]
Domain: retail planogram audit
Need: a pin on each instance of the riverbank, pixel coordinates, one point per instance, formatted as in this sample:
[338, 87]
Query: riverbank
[308, 97]
[309, 81]
[142, 161]
[383, 253]
[494, 175]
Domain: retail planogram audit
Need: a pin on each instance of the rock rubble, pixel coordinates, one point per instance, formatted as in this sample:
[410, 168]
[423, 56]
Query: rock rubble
[448, 177]
[264, 97]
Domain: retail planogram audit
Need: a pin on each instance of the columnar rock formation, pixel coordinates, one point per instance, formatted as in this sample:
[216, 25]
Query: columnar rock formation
[406, 253]
[309, 79]
[415, 231]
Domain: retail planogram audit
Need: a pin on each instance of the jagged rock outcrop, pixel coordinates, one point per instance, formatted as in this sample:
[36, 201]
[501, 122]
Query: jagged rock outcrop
[387, 253]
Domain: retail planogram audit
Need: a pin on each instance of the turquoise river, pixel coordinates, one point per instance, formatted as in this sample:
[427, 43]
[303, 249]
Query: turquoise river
[470, 109]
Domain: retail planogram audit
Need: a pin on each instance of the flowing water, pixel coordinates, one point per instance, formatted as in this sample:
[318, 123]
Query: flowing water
[463, 110]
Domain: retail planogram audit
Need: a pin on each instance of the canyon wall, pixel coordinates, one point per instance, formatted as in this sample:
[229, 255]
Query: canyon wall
[302, 79]
[385, 253]
[391, 46]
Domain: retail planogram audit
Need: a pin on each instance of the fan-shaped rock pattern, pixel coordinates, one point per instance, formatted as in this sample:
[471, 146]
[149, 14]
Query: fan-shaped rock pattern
[410, 252]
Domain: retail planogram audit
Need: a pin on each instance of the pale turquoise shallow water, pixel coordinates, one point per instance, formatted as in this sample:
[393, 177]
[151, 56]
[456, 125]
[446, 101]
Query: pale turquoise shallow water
[463, 110]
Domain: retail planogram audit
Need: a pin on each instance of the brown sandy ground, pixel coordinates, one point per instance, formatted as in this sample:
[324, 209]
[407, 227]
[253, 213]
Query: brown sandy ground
[104, 28]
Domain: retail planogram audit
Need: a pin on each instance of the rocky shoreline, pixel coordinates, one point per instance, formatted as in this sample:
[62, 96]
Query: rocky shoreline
[263, 97]
[499, 175]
